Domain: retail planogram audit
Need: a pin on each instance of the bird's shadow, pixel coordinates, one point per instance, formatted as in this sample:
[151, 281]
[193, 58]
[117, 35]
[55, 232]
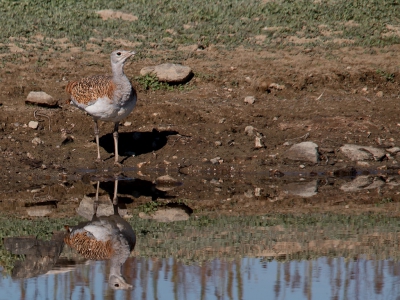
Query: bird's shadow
[136, 143]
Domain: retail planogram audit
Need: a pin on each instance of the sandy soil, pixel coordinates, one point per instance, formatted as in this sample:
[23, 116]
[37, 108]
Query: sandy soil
[329, 96]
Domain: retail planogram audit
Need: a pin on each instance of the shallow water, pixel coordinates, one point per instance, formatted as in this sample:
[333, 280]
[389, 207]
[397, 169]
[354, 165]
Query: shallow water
[244, 278]
[317, 255]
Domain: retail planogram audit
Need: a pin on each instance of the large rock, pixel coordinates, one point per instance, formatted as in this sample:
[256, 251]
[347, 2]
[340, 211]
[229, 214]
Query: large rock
[41, 99]
[104, 208]
[170, 73]
[305, 151]
[357, 152]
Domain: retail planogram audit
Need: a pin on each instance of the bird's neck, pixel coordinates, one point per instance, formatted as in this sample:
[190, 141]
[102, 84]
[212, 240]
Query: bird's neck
[118, 73]
[119, 257]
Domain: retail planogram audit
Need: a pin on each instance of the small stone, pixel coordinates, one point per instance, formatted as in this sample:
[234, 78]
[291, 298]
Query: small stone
[379, 94]
[127, 123]
[250, 99]
[218, 143]
[37, 141]
[258, 143]
[276, 86]
[249, 130]
[302, 166]
[33, 124]
[41, 99]
[215, 160]
[221, 121]
[364, 90]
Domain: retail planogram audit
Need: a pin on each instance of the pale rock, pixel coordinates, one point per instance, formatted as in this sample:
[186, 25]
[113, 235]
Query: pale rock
[379, 94]
[393, 150]
[215, 160]
[250, 99]
[37, 141]
[258, 142]
[170, 73]
[305, 151]
[33, 124]
[357, 152]
[167, 215]
[41, 99]
[40, 210]
[249, 130]
[104, 208]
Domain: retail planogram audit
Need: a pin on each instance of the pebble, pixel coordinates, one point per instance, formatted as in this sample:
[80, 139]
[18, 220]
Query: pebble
[218, 143]
[33, 124]
[215, 160]
[249, 130]
[127, 123]
[258, 143]
[250, 99]
[37, 141]
[379, 94]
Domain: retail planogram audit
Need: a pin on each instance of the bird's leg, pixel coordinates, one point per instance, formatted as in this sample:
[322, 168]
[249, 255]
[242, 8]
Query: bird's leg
[115, 135]
[115, 198]
[96, 201]
[96, 133]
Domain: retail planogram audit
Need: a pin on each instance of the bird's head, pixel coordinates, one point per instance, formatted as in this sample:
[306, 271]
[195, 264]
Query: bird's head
[120, 56]
[117, 282]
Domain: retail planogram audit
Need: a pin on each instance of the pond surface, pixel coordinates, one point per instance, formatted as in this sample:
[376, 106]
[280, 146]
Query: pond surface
[245, 278]
[205, 252]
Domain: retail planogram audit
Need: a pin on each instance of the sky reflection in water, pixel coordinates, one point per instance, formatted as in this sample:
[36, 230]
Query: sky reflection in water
[246, 278]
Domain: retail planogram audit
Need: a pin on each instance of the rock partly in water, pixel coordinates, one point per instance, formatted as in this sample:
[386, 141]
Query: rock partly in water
[170, 73]
[302, 189]
[362, 183]
[41, 99]
[357, 152]
[305, 151]
[105, 207]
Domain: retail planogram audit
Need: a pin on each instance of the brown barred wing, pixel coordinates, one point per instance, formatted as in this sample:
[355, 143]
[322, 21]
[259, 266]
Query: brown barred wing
[89, 89]
[89, 247]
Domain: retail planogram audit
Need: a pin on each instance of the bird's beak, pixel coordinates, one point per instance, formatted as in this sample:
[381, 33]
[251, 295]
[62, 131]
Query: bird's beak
[132, 53]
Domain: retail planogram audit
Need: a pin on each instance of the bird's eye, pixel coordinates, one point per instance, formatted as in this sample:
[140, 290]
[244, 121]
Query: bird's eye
[118, 53]
[116, 285]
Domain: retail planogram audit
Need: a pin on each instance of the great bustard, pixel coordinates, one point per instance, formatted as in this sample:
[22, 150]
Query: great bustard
[105, 237]
[106, 98]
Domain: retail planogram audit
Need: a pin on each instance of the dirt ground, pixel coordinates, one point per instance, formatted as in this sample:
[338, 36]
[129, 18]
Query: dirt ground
[329, 96]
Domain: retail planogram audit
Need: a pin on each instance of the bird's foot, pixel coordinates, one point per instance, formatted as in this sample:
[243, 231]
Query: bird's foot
[117, 164]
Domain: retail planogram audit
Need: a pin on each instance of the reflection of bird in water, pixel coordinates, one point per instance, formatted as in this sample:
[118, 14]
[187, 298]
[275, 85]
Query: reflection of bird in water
[106, 98]
[104, 237]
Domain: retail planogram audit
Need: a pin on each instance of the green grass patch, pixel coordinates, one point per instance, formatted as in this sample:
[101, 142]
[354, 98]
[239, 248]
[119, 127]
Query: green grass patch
[228, 22]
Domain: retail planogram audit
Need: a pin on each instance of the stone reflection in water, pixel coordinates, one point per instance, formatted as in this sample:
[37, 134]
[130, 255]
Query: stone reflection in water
[105, 237]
